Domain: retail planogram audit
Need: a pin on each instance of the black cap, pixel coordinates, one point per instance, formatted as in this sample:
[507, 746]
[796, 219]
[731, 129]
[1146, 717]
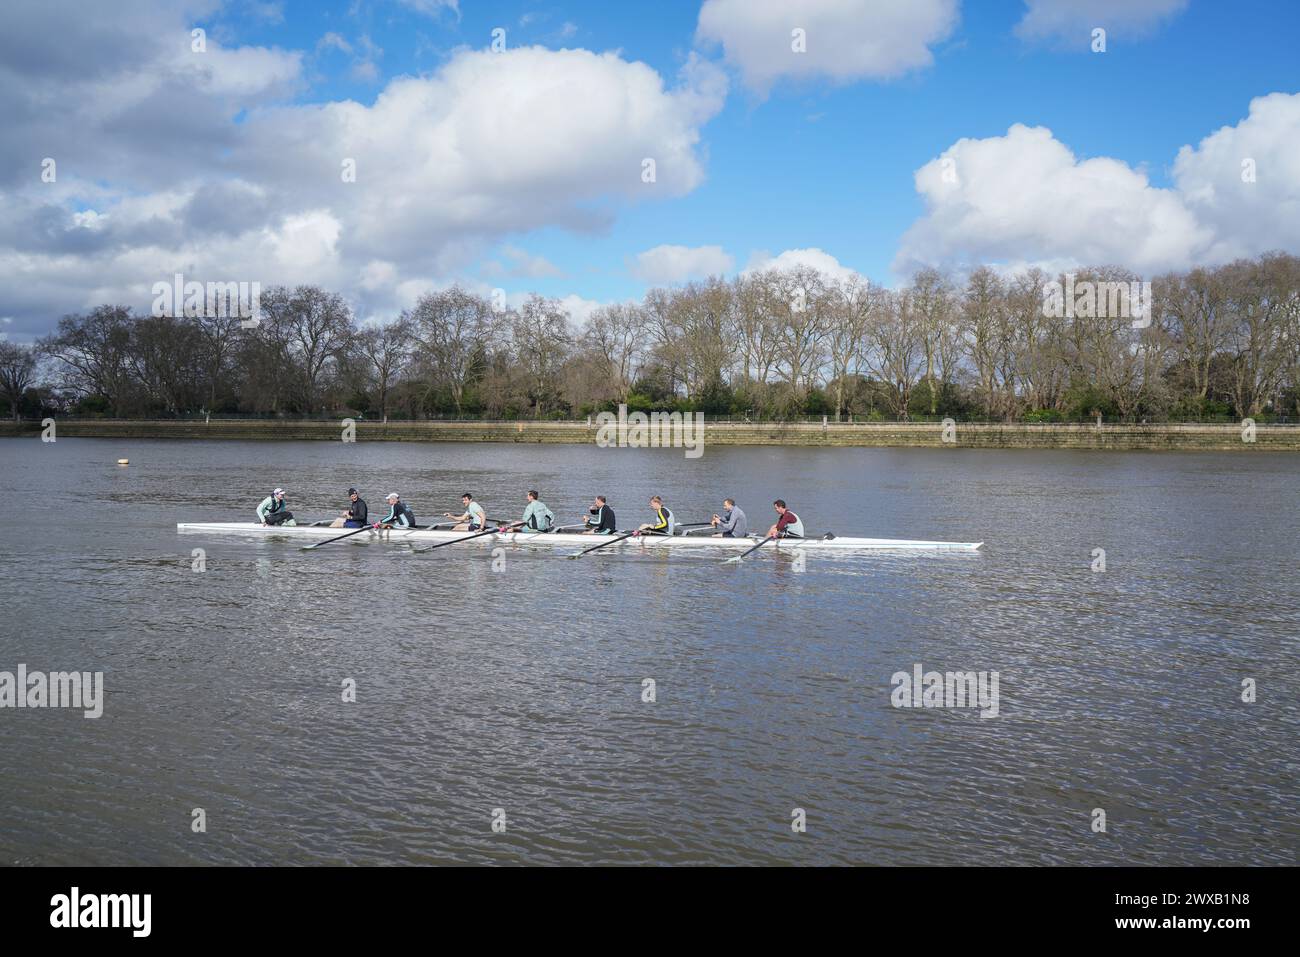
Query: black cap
[352, 491]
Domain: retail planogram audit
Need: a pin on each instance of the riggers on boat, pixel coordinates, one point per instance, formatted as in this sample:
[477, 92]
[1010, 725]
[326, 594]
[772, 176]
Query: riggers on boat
[552, 539]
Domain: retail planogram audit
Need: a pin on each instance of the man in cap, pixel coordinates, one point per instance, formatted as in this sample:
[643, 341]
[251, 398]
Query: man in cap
[399, 514]
[273, 511]
[355, 516]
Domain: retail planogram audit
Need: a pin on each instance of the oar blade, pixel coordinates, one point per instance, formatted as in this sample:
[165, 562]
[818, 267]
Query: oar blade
[741, 557]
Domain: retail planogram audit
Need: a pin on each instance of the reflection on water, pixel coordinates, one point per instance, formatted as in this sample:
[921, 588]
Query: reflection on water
[523, 688]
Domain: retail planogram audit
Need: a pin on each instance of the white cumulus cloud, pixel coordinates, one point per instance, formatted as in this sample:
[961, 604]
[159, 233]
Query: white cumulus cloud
[1243, 181]
[522, 263]
[811, 258]
[1025, 198]
[670, 264]
[843, 40]
[196, 163]
[1072, 21]
[432, 8]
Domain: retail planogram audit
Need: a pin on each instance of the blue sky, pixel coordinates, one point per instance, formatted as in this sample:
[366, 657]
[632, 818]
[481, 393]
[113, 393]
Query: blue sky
[819, 161]
[830, 165]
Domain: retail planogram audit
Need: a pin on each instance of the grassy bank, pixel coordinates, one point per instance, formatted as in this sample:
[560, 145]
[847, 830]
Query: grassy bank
[965, 435]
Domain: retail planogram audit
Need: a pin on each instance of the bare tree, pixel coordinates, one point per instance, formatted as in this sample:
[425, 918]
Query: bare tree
[894, 351]
[1260, 297]
[17, 371]
[617, 335]
[266, 379]
[165, 355]
[313, 329]
[798, 301]
[700, 315]
[850, 304]
[541, 339]
[386, 351]
[661, 325]
[1038, 351]
[93, 353]
[756, 332]
[220, 336]
[1194, 306]
[1103, 348]
[933, 305]
[987, 337]
[1290, 379]
[451, 329]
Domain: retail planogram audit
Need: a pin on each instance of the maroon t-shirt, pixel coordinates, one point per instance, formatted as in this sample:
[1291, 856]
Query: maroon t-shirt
[787, 518]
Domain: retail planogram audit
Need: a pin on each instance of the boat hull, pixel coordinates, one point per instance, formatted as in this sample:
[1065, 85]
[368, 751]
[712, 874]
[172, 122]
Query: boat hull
[554, 539]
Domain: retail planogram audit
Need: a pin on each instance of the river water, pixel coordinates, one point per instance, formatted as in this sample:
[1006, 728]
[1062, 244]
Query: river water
[516, 693]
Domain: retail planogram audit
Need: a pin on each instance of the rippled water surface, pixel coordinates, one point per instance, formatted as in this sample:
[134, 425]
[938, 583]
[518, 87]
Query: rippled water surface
[521, 689]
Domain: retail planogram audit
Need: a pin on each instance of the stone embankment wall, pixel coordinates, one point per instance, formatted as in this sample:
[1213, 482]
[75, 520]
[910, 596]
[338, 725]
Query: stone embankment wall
[963, 435]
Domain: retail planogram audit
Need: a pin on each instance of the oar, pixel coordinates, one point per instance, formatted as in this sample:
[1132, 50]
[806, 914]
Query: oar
[736, 558]
[355, 531]
[490, 531]
[611, 541]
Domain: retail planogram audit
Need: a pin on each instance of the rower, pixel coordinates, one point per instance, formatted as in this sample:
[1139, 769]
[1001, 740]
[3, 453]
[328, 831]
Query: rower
[355, 516]
[732, 522]
[664, 523]
[399, 514]
[473, 519]
[601, 519]
[537, 517]
[787, 524]
[273, 511]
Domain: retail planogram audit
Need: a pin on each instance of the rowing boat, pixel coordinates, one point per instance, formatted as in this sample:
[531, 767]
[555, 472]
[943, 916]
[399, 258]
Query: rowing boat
[840, 543]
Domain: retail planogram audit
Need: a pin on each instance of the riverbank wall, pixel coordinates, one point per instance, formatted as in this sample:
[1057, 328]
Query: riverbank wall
[1186, 437]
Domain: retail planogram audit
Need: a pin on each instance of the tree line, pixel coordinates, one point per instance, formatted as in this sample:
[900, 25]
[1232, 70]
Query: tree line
[1213, 343]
